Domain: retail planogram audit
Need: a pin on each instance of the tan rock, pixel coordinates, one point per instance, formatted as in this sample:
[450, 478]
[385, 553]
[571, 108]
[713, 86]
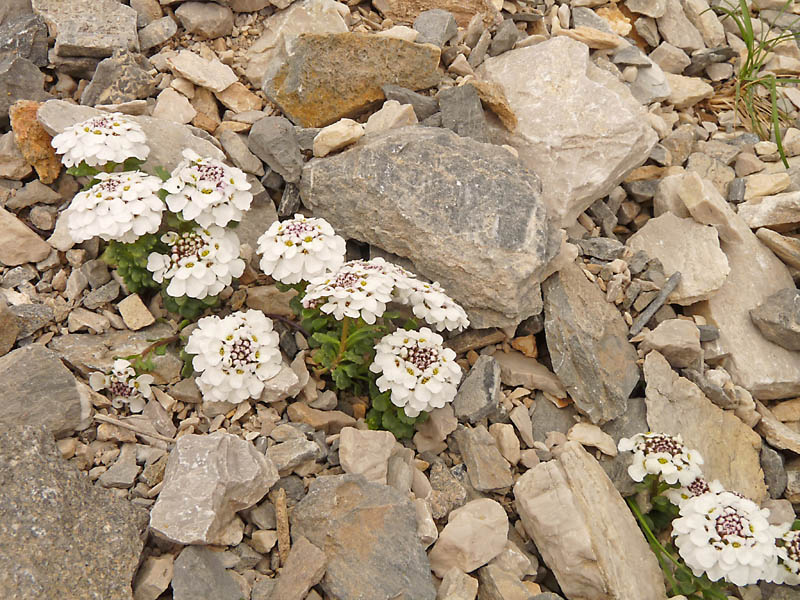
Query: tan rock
[153, 577]
[578, 521]
[405, 11]
[729, 448]
[268, 299]
[474, 535]
[263, 540]
[787, 410]
[594, 38]
[705, 20]
[134, 313]
[786, 248]
[765, 184]
[33, 141]
[19, 244]
[687, 91]
[366, 452]
[516, 369]
[172, 106]
[678, 340]
[507, 441]
[12, 164]
[392, 114]
[211, 74]
[238, 98]
[493, 98]
[304, 569]
[589, 434]
[707, 206]
[457, 585]
[337, 136]
[781, 211]
[619, 23]
[776, 433]
[330, 421]
[400, 32]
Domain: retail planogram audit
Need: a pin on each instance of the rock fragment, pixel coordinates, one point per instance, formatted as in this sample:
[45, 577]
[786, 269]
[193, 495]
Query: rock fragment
[199, 573]
[303, 570]
[778, 318]
[366, 453]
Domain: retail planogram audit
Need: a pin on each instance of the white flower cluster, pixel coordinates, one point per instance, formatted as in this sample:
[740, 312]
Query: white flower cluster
[207, 191]
[420, 372]
[697, 488]
[199, 263]
[300, 249]
[662, 455]
[364, 288]
[123, 385]
[787, 569]
[120, 207]
[726, 537]
[101, 139]
[234, 355]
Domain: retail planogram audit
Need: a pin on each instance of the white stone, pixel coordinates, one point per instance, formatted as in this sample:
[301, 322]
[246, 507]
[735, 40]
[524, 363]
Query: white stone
[336, 136]
[507, 441]
[687, 91]
[172, 106]
[513, 560]
[426, 527]
[686, 246]
[457, 585]
[670, 58]
[400, 32]
[702, 16]
[781, 212]
[521, 419]
[589, 434]
[211, 74]
[579, 523]
[474, 535]
[707, 206]
[765, 184]
[577, 159]
[677, 29]
[391, 115]
[366, 452]
[678, 340]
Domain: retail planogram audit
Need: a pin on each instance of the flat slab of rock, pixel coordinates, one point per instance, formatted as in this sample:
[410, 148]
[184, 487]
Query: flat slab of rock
[200, 574]
[366, 452]
[487, 237]
[729, 448]
[68, 538]
[406, 11]
[778, 318]
[781, 211]
[18, 243]
[579, 522]
[207, 480]
[312, 89]
[687, 246]
[486, 467]
[368, 533]
[39, 390]
[588, 342]
[303, 569]
[578, 159]
[166, 139]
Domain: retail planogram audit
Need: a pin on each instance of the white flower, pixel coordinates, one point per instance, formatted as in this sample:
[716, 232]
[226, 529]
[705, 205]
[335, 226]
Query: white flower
[788, 567]
[120, 207]
[124, 385]
[200, 262]
[353, 290]
[207, 191]
[300, 249]
[699, 486]
[726, 537]
[662, 455]
[101, 139]
[234, 355]
[419, 371]
[429, 302]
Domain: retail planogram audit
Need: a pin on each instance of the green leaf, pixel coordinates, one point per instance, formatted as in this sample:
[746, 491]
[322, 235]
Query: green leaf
[325, 338]
[162, 173]
[340, 378]
[83, 170]
[132, 164]
[160, 350]
[404, 418]
[382, 402]
[162, 195]
[373, 419]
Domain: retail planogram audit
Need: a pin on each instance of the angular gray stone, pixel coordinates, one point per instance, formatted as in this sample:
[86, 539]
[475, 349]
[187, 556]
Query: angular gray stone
[157, 32]
[578, 159]
[273, 140]
[166, 139]
[368, 533]
[505, 37]
[207, 20]
[122, 474]
[774, 471]
[486, 467]
[487, 237]
[589, 349]
[676, 28]
[207, 480]
[236, 148]
[102, 295]
[479, 394]
[498, 584]
[32, 317]
[11, 9]
[20, 79]
[24, 36]
[9, 328]
[778, 318]
[38, 389]
[628, 424]
[292, 453]
[18, 243]
[462, 112]
[435, 26]
[447, 492]
[200, 575]
[119, 78]
[424, 106]
[61, 536]
[547, 417]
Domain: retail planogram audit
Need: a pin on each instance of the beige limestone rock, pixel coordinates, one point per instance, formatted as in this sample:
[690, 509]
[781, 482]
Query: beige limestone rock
[776, 433]
[18, 243]
[304, 569]
[781, 211]
[392, 114]
[507, 441]
[153, 577]
[729, 448]
[678, 340]
[238, 98]
[474, 535]
[687, 91]
[400, 32]
[331, 421]
[578, 160]
[211, 74]
[579, 522]
[366, 452]
[786, 248]
[516, 369]
[705, 20]
[337, 136]
[707, 206]
[134, 313]
[589, 434]
[686, 246]
[457, 585]
[765, 184]
[676, 28]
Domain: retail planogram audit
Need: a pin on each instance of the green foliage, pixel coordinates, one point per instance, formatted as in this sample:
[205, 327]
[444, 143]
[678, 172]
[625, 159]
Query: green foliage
[130, 261]
[162, 173]
[387, 416]
[188, 308]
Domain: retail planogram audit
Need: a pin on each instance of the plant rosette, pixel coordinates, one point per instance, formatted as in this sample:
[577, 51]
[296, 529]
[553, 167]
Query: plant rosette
[207, 191]
[119, 207]
[234, 355]
[123, 385]
[106, 138]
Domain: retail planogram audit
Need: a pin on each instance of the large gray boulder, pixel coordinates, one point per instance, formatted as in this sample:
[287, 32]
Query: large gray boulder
[466, 214]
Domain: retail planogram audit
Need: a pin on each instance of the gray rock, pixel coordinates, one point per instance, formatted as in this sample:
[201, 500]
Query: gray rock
[32, 317]
[236, 148]
[68, 538]
[200, 575]
[447, 492]
[120, 78]
[578, 160]
[497, 584]
[38, 389]
[547, 417]
[547, 596]
[273, 140]
[774, 472]
[25, 37]
[207, 20]
[290, 201]
[96, 272]
[368, 533]
[628, 424]
[11, 9]
[773, 591]
[588, 344]
[166, 139]
[20, 79]
[486, 467]
[778, 318]
[479, 394]
[9, 329]
[292, 453]
[77, 35]
[676, 28]
[462, 112]
[651, 84]
[157, 32]
[601, 247]
[207, 480]
[488, 245]
[435, 27]
[257, 220]
[505, 37]
[34, 192]
[102, 295]
[122, 474]
[424, 106]
[586, 17]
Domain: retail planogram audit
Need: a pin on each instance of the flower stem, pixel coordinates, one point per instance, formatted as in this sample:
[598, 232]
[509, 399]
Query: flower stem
[342, 348]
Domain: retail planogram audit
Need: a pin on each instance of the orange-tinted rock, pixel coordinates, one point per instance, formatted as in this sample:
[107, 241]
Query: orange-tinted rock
[33, 141]
[405, 11]
[326, 77]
